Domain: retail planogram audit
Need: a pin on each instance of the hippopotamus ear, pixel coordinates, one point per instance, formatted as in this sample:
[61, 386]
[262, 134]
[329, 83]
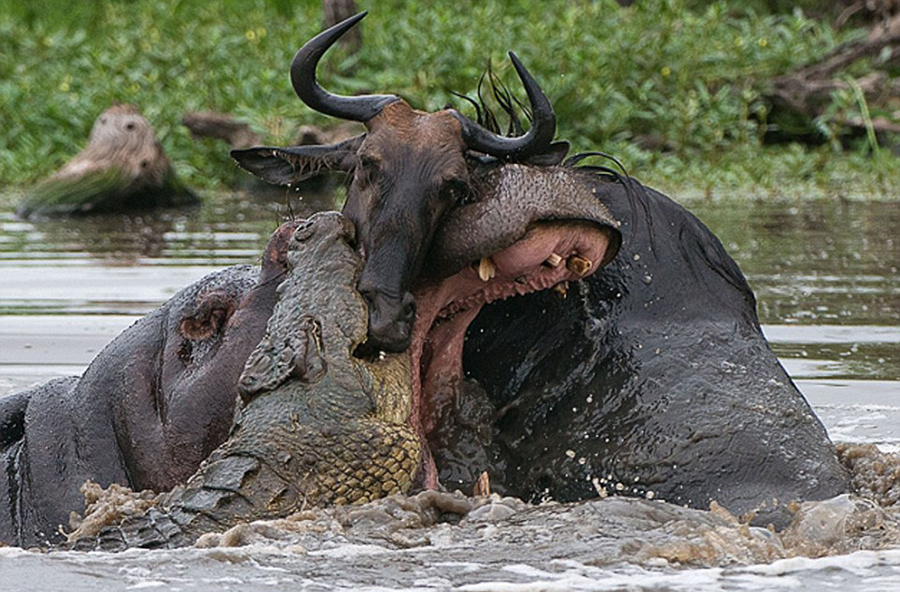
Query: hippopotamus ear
[285, 166]
[297, 355]
[208, 318]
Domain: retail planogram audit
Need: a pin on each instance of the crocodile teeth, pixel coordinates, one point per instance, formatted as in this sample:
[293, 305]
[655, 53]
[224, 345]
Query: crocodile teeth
[486, 269]
[553, 260]
[579, 265]
[561, 289]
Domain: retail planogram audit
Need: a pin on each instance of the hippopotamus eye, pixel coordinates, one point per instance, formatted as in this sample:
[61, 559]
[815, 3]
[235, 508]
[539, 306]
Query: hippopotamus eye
[456, 192]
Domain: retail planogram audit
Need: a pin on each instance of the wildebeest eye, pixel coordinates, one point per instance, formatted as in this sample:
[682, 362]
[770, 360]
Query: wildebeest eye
[368, 163]
[368, 170]
[456, 192]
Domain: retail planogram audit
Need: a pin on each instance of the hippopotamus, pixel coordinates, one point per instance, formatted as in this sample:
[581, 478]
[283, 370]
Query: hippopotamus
[651, 377]
[316, 424]
[150, 407]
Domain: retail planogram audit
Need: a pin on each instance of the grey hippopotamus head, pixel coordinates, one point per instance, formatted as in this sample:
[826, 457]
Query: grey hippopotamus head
[151, 406]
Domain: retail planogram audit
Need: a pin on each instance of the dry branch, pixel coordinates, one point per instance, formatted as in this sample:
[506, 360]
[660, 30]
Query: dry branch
[808, 90]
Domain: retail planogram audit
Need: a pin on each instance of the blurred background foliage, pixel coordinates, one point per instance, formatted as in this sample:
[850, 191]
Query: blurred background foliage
[674, 88]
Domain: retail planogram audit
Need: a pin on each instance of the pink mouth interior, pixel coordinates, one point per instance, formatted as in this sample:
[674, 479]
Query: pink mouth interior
[445, 310]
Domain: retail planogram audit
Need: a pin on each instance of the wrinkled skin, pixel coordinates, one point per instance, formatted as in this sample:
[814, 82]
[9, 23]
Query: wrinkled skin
[317, 425]
[151, 406]
[113, 396]
[651, 378]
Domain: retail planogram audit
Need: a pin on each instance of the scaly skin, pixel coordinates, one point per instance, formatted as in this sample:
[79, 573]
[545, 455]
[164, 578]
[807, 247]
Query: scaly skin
[317, 425]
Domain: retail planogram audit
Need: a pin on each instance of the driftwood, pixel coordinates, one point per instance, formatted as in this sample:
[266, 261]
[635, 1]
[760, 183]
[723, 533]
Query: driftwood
[310, 134]
[807, 91]
[220, 126]
[336, 11]
[122, 167]
[237, 134]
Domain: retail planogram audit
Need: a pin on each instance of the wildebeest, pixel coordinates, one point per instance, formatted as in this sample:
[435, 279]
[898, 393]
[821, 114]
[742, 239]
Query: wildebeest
[409, 169]
[651, 378]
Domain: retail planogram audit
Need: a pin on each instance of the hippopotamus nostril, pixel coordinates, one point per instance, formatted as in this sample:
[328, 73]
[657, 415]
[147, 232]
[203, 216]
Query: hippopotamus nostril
[349, 232]
[407, 308]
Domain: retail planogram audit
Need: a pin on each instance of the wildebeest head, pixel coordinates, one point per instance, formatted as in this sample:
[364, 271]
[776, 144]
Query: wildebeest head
[409, 169]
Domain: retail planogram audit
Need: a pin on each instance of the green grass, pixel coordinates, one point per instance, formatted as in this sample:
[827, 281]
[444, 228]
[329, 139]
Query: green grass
[689, 78]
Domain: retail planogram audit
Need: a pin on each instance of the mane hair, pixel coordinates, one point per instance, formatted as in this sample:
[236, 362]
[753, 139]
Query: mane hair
[492, 94]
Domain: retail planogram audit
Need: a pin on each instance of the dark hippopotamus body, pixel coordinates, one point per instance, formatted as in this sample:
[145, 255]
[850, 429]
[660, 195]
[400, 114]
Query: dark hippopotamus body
[650, 378]
[151, 406]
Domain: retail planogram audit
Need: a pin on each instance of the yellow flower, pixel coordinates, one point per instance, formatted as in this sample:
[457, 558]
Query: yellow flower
[665, 71]
[64, 87]
[763, 42]
[250, 35]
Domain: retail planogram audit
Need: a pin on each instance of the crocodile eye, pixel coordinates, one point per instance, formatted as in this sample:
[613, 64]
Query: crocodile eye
[304, 232]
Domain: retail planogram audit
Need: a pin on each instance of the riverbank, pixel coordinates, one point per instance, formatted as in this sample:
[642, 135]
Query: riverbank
[674, 89]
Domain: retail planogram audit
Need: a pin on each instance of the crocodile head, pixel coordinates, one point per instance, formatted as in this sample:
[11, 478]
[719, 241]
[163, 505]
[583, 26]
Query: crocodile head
[336, 425]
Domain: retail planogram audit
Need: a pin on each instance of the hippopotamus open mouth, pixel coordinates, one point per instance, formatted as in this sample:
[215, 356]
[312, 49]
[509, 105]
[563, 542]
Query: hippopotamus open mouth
[489, 251]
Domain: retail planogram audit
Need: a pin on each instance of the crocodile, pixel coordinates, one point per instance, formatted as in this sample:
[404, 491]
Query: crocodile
[315, 425]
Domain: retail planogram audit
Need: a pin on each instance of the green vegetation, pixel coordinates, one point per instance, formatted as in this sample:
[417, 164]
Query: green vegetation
[687, 75]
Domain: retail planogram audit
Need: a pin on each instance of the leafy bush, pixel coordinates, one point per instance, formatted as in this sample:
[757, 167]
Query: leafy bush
[653, 74]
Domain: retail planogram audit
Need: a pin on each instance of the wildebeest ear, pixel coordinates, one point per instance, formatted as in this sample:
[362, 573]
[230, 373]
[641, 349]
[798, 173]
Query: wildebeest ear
[291, 164]
[552, 156]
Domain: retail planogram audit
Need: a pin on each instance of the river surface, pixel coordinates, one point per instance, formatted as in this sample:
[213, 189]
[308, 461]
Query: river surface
[826, 277]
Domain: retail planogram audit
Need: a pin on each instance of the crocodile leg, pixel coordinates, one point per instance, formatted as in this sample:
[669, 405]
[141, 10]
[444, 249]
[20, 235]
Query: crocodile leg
[364, 460]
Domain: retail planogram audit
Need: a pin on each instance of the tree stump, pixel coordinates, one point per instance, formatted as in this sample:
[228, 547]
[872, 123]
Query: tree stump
[336, 11]
[123, 167]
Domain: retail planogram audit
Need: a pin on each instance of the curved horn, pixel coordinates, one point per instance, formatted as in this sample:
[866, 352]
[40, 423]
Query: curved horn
[303, 77]
[539, 136]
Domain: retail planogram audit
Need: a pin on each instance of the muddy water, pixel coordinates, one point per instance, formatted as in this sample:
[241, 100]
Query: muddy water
[825, 273]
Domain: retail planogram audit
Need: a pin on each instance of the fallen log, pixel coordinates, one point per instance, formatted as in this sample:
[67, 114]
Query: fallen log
[806, 92]
[220, 126]
[238, 134]
[123, 167]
